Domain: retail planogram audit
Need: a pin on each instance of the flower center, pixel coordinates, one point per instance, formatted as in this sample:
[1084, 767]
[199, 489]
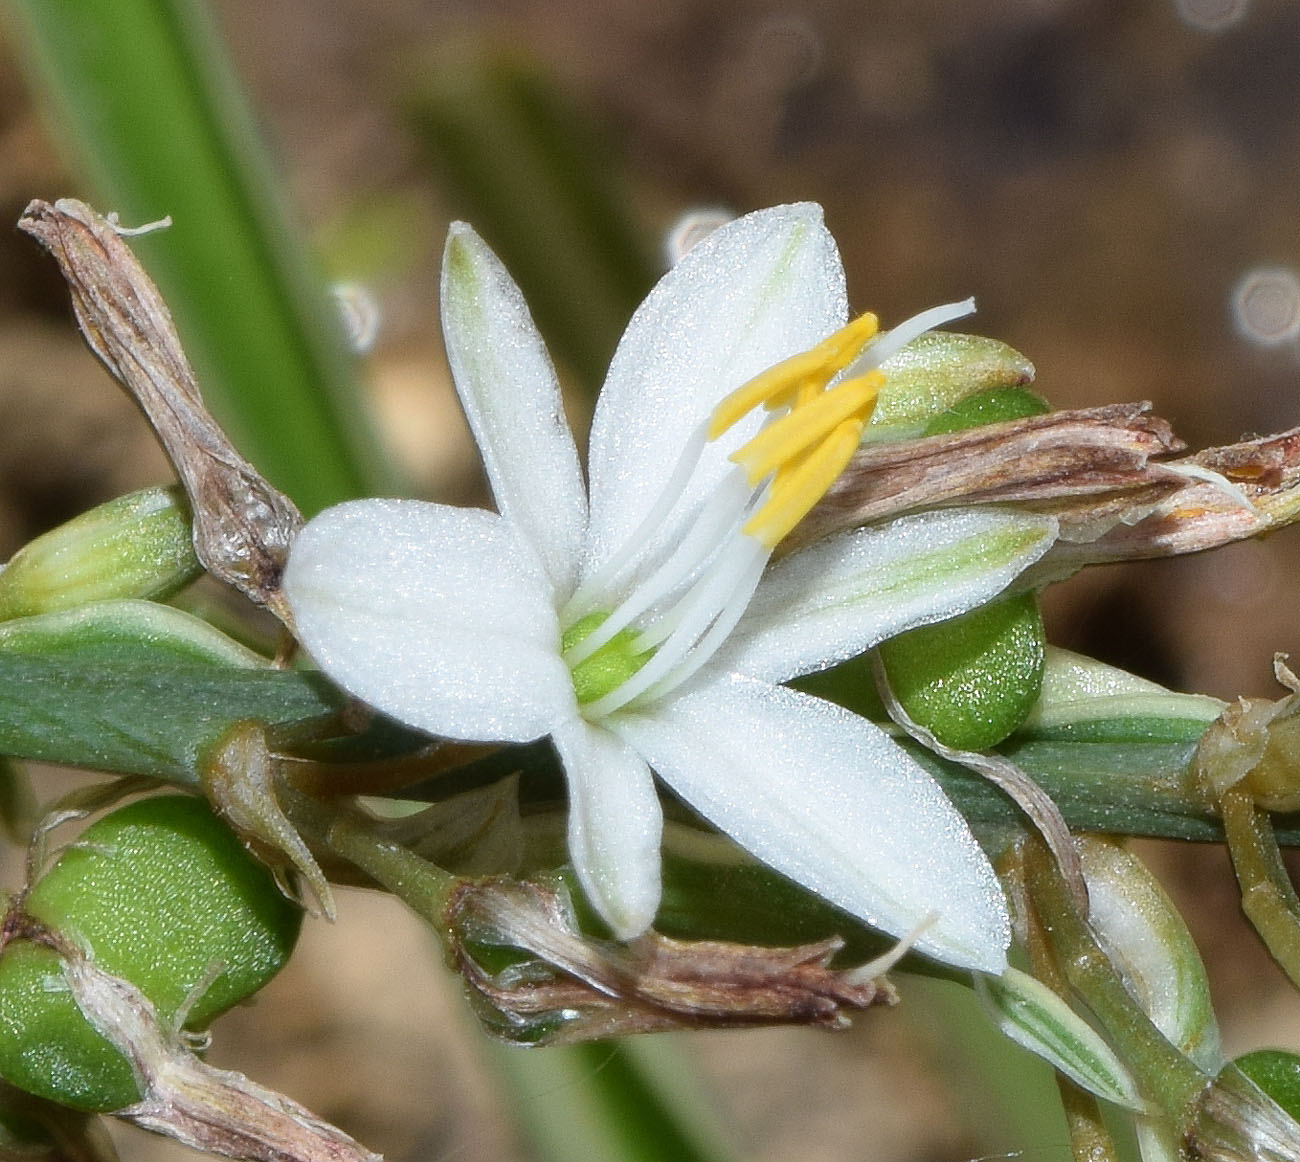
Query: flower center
[609, 666]
[638, 639]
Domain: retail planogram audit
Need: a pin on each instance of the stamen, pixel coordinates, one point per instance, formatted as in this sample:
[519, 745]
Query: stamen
[711, 529]
[588, 594]
[701, 586]
[718, 632]
[697, 612]
[807, 423]
[892, 342]
[796, 489]
[777, 386]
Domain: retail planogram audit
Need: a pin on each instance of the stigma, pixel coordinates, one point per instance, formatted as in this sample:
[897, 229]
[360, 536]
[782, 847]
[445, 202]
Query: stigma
[659, 621]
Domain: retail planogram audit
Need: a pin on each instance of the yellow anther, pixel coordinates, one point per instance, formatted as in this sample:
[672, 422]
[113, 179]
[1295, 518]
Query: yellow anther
[799, 375]
[800, 486]
[782, 442]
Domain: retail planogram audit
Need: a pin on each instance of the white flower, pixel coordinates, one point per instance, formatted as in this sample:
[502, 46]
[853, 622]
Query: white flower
[642, 629]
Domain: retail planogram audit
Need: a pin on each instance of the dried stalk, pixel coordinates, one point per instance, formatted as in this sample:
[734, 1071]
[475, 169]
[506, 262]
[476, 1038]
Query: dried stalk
[242, 525]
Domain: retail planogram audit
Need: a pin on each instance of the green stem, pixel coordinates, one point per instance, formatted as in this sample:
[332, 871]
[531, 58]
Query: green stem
[144, 98]
[1090, 1141]
[1267, 897]
[421, 885]
[1164, 1075]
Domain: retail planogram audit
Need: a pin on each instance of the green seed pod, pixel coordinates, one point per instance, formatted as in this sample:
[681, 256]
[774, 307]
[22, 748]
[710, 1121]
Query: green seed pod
[162, 895]
[138, 545]
[1277, 1073]
[46, 1046]
[972, 679]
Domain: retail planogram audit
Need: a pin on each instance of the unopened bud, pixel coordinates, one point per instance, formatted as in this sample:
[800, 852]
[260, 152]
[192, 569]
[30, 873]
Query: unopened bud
[936, 371]
[1149, 943]
[138, 545]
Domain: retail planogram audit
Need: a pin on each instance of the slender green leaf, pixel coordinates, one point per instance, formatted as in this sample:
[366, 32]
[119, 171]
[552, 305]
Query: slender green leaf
[137, 688]
[615, 1101]
[143, 97]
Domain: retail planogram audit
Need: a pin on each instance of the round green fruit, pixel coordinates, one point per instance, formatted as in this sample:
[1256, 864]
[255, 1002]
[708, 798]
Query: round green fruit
[1277, 1073]
[972, 679]
[161, 894]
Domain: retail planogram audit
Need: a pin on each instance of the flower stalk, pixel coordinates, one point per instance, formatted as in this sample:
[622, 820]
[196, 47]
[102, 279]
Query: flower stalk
[1165, 1076]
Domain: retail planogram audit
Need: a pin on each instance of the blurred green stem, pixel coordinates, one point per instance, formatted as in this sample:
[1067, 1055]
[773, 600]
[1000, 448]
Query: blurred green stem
[142, 96]
[1165, 1076]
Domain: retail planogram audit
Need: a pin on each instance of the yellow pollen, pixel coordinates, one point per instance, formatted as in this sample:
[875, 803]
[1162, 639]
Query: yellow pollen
[808, 423]
[793, 379]
[806, 449]
[799, 486]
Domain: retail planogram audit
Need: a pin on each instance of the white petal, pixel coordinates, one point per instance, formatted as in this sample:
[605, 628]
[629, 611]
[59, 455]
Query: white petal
[437, 616]
[757, 290]
[511, 398]
[845, 594]
[831, 801]
[615, 825]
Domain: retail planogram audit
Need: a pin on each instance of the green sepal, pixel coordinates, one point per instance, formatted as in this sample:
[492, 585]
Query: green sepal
[138, 545]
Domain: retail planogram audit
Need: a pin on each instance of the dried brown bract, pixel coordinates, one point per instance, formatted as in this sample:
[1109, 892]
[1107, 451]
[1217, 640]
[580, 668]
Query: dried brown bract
[1049, 462]
[570, 987]
[242, 525]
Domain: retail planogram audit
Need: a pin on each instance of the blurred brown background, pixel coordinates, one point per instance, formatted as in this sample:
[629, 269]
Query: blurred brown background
[1116, 183]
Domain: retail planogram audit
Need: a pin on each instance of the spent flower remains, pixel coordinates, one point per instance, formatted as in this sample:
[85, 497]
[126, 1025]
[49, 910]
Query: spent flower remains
[639, 620]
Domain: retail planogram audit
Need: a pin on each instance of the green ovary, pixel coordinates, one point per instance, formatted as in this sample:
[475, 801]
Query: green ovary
[610, 666]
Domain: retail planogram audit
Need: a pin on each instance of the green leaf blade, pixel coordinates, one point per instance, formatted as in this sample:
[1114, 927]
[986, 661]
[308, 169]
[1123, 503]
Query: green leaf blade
[136, 688]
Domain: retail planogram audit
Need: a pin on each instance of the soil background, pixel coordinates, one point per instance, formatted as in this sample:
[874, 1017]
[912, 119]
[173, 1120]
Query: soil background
[1101, 175]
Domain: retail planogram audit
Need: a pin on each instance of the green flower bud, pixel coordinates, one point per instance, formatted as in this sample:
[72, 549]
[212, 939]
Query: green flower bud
[162, 895]
[973, 679]
[937, 371]
[138, 545]
[1147, 940]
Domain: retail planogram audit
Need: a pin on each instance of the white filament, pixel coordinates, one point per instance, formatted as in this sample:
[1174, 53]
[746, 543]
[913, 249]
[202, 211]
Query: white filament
[720, 630]
[892, 342]
[687, 622]
[719, 517]
[588, 594]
